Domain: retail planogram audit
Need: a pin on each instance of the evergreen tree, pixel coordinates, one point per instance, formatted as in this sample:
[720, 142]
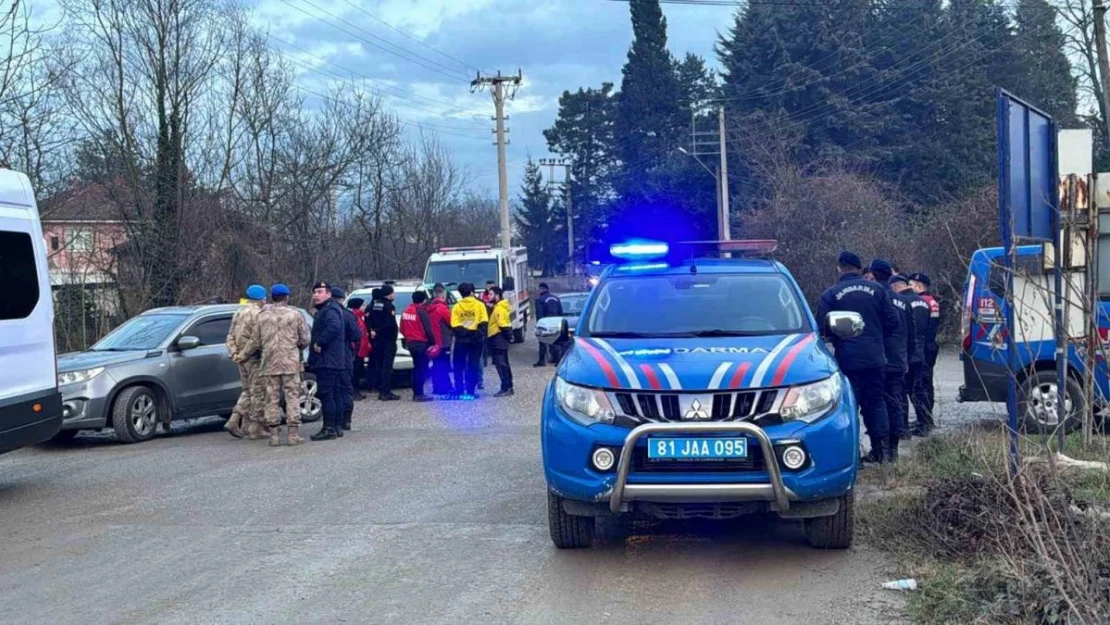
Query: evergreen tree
[649, 120]
[1045, 77]
[698, 82]
[538, 221]
[583, 133]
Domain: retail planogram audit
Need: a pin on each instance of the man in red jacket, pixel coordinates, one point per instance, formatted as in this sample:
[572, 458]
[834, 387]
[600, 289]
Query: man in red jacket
[416, 330]
[440, 315]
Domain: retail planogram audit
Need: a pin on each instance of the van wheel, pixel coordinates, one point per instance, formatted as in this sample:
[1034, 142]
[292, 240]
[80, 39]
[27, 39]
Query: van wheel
[568, 531]
[1038, 402]
[135, 414]
[833, 532]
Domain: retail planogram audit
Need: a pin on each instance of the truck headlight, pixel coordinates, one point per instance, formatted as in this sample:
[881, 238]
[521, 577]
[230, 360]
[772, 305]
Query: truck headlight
[811, 402]
[585, 405]
[84, 375]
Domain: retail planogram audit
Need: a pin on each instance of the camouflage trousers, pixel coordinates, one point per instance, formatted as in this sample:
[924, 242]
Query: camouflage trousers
[289, 387]
[252, 399]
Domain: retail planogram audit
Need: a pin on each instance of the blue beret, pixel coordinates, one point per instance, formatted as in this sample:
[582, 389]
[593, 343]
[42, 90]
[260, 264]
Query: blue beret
[850, 260]
[338, 293]
[279, 289]
[257, 292]
[922, 278]
[899, 278]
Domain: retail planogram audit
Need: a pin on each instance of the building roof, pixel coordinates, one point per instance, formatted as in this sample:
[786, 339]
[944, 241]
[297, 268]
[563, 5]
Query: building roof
[83, 202]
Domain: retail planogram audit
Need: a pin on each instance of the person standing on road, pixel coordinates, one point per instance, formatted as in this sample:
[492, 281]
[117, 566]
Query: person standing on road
[547, 305]
[373, 369]
[469, 325]
[383, 326]
[862, 358]
[358, 367]
[921, 284]
[352, 337]
[440, 315]
[281, 334]
[328, 358]
[915, 390]
[416, 330]
[500, 336]
[248, 410]
[901, 344]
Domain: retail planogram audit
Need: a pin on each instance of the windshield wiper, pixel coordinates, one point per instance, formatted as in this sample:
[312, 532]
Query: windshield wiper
[115, 349]
[724, 333]
[641, 335]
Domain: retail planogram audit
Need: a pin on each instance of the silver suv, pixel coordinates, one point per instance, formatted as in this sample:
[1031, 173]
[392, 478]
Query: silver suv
[163, 365]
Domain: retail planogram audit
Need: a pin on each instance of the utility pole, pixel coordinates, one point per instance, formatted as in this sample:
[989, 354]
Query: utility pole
[1103, 60]
[551, 164]
[726, 218]
[497, 86]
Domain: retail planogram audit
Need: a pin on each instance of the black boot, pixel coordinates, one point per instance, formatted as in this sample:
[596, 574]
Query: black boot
[892, 449]
[327, 433]
[878, 452]
[347, 421]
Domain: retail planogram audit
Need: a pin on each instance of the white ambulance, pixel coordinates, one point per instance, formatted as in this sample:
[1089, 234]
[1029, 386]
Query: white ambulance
[508, 268]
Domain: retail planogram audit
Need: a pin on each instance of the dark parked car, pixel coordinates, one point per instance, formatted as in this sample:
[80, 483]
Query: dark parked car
[165, 364]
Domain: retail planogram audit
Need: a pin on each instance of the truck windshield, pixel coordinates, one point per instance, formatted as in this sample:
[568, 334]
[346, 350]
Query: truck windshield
[140, 333]
[476, 272]
[701, 305]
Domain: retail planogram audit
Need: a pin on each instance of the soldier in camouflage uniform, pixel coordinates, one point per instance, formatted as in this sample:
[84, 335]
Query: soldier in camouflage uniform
[252, 399]
[281, 333]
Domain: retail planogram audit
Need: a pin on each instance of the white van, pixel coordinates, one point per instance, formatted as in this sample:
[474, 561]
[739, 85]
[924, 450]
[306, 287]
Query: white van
[30, 405]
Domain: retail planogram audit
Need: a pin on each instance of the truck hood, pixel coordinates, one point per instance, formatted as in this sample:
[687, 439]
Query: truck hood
[79, 361]
[702, 364]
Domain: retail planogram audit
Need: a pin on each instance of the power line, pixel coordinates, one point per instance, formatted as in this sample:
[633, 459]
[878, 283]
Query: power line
[409, 36]
[405, 95]
[392, 48]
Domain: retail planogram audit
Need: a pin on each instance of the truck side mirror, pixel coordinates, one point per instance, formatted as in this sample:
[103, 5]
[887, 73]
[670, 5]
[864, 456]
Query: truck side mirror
[509, 285]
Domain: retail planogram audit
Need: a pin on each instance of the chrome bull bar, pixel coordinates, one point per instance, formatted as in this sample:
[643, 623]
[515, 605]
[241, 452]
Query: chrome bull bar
[774, 491]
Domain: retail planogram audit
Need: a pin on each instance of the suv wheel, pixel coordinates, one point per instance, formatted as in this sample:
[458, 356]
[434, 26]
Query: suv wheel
[135, 414]
[833, 532]
[1038, 402]
[311, 406]
[568, 531]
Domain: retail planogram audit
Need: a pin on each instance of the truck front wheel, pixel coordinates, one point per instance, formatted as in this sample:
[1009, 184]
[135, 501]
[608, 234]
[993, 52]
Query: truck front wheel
[568, 531]
[1038, 403]
[833, 532]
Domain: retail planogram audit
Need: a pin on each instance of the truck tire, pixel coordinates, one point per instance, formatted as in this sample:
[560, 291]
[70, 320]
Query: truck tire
[836, 531]
[568, 531]
[136, 414]
[1037, 403]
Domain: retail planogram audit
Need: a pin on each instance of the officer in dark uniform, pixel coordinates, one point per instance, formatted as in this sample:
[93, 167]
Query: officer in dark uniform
[901, 345]
[373, 370]
[547, 305]
[919, 309]
[383, 321]
[352, 335]
[921, 285]
[863, 358]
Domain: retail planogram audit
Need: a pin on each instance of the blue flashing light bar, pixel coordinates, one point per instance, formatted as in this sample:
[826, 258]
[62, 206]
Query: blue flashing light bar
[639, 250]
[643, 267]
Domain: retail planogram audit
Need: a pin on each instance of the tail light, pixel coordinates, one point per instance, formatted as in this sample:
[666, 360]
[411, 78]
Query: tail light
[966, 317]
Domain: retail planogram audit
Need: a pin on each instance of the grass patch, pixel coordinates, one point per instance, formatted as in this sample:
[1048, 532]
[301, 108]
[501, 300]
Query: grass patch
[986, 548]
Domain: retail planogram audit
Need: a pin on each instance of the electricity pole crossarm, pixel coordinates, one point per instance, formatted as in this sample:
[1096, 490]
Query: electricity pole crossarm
[498, 87]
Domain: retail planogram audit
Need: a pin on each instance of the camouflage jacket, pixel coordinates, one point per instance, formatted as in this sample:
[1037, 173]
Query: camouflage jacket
[242, 327]
[281, 333]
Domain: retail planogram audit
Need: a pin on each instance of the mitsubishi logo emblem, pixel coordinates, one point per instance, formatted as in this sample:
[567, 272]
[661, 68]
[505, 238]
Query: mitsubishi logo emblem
[696, 412]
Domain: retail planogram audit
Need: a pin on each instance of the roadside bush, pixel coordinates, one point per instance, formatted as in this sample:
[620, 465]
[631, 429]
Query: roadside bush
[991, 549]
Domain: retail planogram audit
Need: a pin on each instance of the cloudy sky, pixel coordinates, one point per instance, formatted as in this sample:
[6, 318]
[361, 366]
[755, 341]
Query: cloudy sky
[421, 55]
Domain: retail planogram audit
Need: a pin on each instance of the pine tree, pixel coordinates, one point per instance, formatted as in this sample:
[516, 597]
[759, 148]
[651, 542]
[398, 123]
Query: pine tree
[583, 133]
[537, 220]
[648, 118]
[1045, 77]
